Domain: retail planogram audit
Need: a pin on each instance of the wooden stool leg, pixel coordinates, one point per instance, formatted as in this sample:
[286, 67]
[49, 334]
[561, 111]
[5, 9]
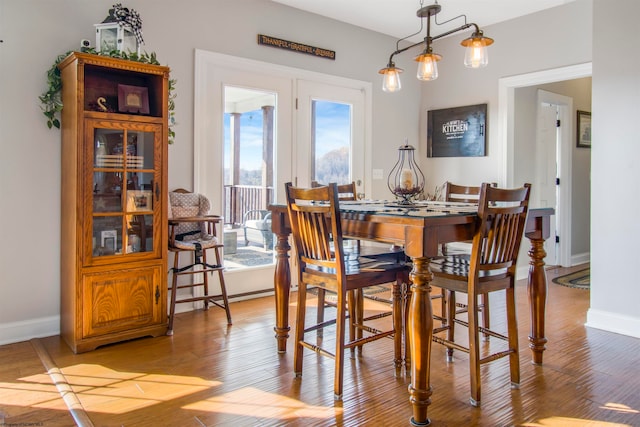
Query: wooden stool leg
[485, 314]
[339, 353]
[451, 324]
[223, 287]
[174, 291]
[299, 334]
[205, 279]
[512, 328]
[396, 308]
[406, 294]
[354, 321]
[320, 311]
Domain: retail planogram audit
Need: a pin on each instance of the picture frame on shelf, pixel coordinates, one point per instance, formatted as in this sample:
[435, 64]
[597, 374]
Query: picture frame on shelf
[133, 99]
[139, 200]
[583, 129]
[108, 240]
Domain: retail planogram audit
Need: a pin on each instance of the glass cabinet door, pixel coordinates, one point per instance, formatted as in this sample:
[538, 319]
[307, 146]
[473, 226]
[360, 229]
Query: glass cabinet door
[124, 189]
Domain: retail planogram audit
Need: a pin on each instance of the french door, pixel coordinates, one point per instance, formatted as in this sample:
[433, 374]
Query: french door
[246, 125]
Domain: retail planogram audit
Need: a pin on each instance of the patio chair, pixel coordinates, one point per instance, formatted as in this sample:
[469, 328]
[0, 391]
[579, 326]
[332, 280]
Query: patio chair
[256, 225]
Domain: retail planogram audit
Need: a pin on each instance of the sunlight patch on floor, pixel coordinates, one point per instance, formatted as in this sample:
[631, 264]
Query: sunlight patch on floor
[250, 400]
[105, 390]
[40, 394]
[572, 422]
[620, 408]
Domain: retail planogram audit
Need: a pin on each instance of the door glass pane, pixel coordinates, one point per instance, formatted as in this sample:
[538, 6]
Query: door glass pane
[139, 233]
[140, 150]
[107, 235]
[249, 141]
[331, 142]
[122, 191]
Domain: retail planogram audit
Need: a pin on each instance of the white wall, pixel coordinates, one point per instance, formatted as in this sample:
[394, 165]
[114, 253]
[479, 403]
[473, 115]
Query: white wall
[615, 294]
[35, 32]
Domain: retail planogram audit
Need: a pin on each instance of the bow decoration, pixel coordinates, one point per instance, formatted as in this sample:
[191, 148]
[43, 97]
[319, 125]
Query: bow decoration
[128, 18]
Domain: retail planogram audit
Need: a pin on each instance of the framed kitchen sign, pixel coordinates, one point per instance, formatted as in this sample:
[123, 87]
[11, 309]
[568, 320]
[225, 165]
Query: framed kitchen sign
[457, 132]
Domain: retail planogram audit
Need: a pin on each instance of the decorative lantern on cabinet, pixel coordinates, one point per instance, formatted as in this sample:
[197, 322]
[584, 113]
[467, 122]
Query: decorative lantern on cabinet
[120, 31]
[406, 180]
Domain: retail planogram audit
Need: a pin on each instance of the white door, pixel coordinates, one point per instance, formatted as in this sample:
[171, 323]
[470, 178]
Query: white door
[330, 135]
[553, 152]
[545, 194]
[224, 88]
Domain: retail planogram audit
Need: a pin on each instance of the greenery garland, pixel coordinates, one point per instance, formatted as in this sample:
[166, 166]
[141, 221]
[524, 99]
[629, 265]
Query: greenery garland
[51, 99]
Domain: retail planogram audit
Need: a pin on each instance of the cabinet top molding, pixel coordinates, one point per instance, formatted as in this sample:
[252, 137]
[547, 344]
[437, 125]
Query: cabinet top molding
[111, 62]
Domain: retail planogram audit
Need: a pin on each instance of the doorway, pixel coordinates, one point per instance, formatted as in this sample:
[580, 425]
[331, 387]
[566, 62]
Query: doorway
[507, 101]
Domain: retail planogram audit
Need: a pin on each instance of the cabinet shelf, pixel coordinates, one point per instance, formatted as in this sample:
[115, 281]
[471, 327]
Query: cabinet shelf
[133, 118]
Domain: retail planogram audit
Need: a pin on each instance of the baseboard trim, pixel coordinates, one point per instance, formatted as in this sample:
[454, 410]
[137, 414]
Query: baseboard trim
[582, 258]
[48, 326]
[27, 329]
[612, 322]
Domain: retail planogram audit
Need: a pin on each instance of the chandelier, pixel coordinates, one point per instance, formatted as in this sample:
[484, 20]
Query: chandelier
[475, 56]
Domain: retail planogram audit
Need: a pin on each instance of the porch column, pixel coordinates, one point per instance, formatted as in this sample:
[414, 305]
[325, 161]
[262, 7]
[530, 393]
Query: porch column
[267, 152]
[234, 164]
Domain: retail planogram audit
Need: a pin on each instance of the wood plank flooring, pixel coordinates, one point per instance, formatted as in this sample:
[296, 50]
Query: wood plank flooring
[209, 374]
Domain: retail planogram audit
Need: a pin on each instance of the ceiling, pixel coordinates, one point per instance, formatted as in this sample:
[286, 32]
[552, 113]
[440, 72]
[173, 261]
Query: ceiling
[398, 18]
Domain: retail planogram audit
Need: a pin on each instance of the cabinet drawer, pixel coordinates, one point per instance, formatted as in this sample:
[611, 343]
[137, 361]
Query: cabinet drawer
[116, 301]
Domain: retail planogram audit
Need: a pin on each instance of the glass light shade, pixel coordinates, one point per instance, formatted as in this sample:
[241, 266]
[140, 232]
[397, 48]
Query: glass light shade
[476, 55]
[427, 66]
[391, 79]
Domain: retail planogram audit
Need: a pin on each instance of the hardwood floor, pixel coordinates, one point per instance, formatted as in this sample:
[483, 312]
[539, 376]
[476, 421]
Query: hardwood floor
[208, 374]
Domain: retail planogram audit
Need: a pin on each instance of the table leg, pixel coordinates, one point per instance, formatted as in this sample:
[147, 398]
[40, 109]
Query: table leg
[282, 285]
[420, 332]
[537, 290]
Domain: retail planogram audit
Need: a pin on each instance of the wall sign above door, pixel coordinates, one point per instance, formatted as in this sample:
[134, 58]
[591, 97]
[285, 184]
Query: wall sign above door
[296, 47]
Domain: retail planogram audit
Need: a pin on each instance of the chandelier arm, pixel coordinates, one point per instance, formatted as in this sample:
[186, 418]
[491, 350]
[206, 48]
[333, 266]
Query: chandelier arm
[410, 35]
[435, 19]
[404, 49]
[455, 30]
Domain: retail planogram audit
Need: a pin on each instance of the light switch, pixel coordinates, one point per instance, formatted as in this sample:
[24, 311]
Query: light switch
[378, 174]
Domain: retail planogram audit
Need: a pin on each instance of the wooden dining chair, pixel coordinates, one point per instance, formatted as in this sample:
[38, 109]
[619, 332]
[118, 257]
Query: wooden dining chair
[317, 236]
[193, 231]
[502, 214]
[349, 192]
[463, 194]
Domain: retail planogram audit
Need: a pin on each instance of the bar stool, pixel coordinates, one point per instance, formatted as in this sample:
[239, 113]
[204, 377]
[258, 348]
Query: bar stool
[192, 230]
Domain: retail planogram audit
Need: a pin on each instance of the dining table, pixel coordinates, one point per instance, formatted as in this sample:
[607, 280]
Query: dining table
[419, 228]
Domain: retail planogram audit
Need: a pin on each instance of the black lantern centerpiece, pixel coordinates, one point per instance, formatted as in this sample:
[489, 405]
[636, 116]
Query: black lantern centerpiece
[406, 180]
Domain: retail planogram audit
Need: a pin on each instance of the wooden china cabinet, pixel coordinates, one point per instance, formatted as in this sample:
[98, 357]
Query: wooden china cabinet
[114, 200]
